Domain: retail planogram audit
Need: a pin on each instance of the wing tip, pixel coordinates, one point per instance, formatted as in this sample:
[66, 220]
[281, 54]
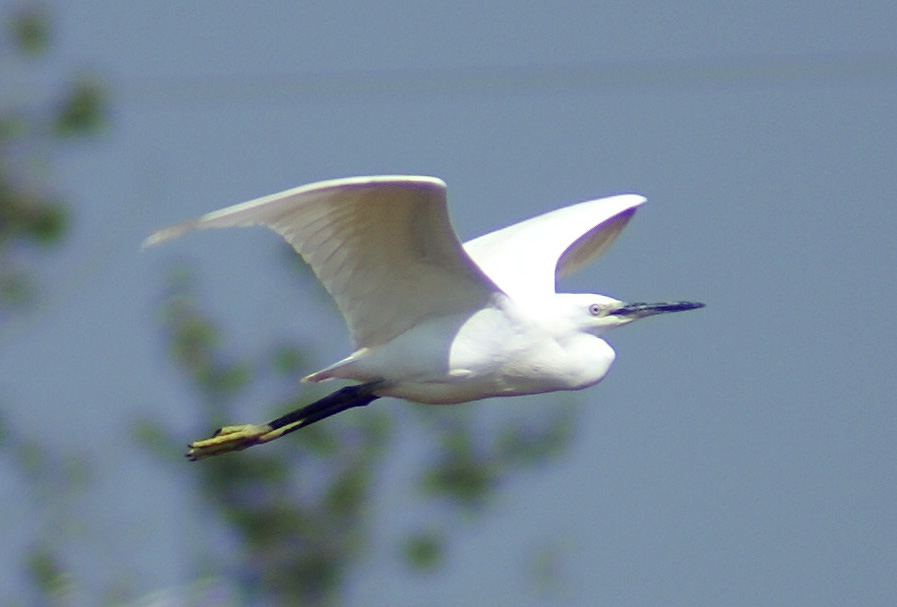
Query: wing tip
[210, 219]
[166, 234]
[634, 199]
[624, 203]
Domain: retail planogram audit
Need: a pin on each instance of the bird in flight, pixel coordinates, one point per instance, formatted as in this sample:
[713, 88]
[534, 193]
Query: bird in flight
[433, 320]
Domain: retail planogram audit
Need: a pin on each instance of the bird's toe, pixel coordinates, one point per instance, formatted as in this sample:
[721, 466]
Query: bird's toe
[227, 439]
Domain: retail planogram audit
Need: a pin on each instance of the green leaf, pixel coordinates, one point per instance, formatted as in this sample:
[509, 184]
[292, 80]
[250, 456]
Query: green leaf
[347, 492]
[47, 224]
[465, 480]
[317, 439]
[45, 571]
[82, 109]
[232, 378]
[31, 31]
[16, 289]
[537, 442]
[13, 126]
[287, 359]
[423, 550]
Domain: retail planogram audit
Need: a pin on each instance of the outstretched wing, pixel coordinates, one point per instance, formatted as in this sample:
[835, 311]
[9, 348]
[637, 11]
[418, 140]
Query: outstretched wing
[383, 247]
[527, 258]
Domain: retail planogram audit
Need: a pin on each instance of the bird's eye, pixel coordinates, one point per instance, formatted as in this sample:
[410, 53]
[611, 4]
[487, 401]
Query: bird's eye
[595, 310]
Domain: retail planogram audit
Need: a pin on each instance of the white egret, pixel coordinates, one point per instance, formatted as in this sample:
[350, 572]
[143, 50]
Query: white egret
[435, 321]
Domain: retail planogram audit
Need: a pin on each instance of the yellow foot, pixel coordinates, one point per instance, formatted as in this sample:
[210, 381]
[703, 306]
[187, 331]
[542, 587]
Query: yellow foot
[231, 438]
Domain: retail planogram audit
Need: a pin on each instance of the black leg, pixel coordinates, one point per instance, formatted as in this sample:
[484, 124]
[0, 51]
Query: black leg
[235, 438]
[344, 398]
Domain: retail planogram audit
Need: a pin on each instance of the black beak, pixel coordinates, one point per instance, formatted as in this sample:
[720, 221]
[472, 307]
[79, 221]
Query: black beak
[641, 309]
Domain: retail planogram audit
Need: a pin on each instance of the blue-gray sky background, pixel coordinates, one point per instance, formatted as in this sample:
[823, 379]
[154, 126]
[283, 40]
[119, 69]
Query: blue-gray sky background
[739, 455]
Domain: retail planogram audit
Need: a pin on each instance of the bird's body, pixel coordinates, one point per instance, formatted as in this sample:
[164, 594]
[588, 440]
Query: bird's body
[504, 349]
[435, 321]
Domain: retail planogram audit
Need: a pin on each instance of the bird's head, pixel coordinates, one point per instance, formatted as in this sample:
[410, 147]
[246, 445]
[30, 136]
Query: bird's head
[600, 313]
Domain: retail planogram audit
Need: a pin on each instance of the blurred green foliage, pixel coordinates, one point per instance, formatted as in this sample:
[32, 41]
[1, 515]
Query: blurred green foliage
[30, 30]
[81, 109]
[54, 484]
[48, 574]
[299, 509]
[298, 516]
[423, 550]
[31, 214]
[32, 218]
[300, 506]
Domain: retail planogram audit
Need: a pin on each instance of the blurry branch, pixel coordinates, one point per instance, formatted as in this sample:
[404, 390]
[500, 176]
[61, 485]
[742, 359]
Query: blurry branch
[30, 30]
[300, 508]
[298, 513]
[32, 217]
[81, 110]
[466, 470]
[54, 483]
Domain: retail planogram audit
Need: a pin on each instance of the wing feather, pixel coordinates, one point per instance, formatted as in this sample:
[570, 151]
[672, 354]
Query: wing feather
[383, 247]
[527, 258]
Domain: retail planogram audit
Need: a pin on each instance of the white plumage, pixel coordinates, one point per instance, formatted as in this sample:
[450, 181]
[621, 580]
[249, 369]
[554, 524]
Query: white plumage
[433, 320]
